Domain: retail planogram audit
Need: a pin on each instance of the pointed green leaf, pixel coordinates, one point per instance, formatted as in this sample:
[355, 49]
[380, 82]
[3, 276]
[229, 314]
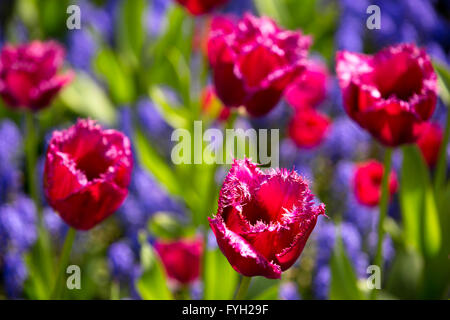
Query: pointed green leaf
[413, 178]
[220, 279]
[419, 209]
[152, 285]
[85, 97]
[444, 81]
[344, 283]
[151, 160]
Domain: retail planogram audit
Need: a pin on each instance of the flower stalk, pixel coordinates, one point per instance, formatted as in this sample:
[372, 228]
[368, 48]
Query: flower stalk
[30, 153]
[243, 288]
[384, 203]
[64, 259]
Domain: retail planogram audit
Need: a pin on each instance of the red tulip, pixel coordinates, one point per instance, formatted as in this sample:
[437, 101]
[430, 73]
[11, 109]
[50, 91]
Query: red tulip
[87, 173]
[181, 259]
[430, 141]
[28, 74]
[391, 93]
[308, 128]
[309, 89]
[199, 7]
[253, 61]
[264, 219]
[367, 182]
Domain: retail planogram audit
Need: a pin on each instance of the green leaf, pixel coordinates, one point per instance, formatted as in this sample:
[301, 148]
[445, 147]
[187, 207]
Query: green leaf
[270, 293]
[344, 283]
[178, 34]
[432, 229]
[52, 17]
[118, 78]
[131, 34]
[164, 225]
[444, 81]
[272, 8]
[183, 73]
[413, 178]
[220, 279]
[175, 116]
[404, 277]
[85, 97]
[263, 289]
[151, 160]
[152, 285]
[419, 209]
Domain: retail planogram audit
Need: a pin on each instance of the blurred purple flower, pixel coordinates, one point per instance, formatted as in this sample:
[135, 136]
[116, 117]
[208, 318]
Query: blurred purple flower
[82, 48]
[101, 19]
[54, 224]
[156, 16]
[321, 282]
[353, 246]
[212, 242]
[15, 273]
[349, 33]
[151, 120]
[359, 215]
[421, 13]
[388, 247]
[289, 291]
[146, 197]
[18, 223]
[10, 147]
[196, 290]
[346, 139]
[326, 237]
[121, 260]
[155, 126]
[132, 214]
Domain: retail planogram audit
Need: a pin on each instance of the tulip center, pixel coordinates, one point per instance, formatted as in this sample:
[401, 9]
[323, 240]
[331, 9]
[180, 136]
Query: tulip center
[274, 198]
[400, 77]
[93, 164]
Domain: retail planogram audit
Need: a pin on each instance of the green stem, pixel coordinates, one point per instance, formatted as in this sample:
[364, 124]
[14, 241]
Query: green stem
[115, 290]
[43, 246]
[243, 288]
[31, 156]
[64, 259]
[384, 204]
[442, 161]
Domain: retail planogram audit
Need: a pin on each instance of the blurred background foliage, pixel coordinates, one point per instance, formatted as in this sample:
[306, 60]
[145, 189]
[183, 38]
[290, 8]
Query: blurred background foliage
[141, 67]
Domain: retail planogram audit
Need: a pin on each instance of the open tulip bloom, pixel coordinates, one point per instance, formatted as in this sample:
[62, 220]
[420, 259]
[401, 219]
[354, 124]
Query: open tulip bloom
[253, 60]
[28, 74]
[390, 94]
[264, 219]
[87, 173]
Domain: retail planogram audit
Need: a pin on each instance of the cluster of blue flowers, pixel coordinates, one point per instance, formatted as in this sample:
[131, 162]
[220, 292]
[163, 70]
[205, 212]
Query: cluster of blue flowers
[18, 214]
[146, 196]
[97, 23]
[358, 232]
[415, 21]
